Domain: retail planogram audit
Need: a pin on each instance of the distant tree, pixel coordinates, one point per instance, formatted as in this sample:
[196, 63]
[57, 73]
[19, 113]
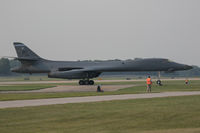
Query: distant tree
[14, 63]
[4, 66]
[195, 72]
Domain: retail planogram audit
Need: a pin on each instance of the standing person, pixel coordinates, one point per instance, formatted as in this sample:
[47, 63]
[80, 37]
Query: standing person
[186, 81]
[149, 83]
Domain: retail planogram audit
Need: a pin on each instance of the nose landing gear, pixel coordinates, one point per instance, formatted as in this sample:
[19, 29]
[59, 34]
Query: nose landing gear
[86, 82]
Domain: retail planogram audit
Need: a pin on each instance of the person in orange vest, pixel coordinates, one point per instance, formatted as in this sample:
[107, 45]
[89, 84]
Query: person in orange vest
[186, 81]
[149, 83]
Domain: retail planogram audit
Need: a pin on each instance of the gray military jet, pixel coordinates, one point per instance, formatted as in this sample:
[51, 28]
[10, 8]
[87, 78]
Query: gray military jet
[86, 70]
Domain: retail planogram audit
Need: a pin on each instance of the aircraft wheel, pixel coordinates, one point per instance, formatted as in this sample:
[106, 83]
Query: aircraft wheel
[91, 82]
[81, 82]
[86, 82]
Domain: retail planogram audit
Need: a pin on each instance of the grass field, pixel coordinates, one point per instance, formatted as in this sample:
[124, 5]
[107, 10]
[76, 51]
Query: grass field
[31, 78]
[174, 85]
[170, 115]
[25, 87]
[140, 88]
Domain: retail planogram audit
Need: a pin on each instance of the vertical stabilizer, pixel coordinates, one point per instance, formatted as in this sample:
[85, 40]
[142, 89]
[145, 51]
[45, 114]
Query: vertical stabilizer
[24, 52]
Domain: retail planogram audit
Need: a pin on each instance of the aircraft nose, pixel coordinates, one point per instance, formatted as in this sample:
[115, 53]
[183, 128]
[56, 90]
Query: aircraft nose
[187, 67]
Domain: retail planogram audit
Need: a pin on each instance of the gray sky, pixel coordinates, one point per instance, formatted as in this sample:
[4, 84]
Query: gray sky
[103, 29]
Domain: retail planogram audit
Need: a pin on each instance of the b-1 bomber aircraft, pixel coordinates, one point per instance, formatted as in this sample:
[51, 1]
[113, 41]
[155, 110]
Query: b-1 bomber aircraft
[86, 70]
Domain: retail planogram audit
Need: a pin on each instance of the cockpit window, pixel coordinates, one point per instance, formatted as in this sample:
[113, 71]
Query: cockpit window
[167, 61]
[170, 61]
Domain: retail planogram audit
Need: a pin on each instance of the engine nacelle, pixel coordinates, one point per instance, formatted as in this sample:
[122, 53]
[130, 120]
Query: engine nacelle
[73, 74]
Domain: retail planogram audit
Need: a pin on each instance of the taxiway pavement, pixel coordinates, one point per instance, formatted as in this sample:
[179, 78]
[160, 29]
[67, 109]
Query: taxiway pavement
[53, 101]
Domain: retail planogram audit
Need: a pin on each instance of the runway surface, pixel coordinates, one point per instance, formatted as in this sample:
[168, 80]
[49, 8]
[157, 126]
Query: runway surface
[40, 102]
[73, 88]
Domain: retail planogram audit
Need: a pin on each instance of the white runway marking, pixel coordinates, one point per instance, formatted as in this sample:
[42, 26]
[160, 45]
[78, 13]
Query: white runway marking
[40, 102]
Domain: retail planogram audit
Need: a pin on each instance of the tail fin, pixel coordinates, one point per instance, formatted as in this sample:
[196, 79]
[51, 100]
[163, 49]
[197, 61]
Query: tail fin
[24, 53]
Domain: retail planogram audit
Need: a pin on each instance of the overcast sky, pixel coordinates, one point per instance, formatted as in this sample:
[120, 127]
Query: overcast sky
[103, 29]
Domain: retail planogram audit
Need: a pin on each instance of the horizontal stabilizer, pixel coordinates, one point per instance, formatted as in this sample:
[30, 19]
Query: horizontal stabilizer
[20, 58]
[26, 59]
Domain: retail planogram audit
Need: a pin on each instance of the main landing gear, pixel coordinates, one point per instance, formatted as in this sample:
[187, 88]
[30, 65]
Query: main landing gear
[86, 82]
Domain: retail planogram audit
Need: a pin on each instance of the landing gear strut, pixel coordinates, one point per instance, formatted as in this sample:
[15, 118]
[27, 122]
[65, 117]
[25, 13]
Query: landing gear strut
[86, 82]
